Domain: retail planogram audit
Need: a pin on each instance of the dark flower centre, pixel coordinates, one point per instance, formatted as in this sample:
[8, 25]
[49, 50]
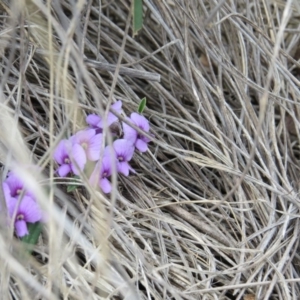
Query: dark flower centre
[98, 130]
[104, 174]
[20, 217]
[18, 191]
[67, 160]
[121, 158]
[139, 135]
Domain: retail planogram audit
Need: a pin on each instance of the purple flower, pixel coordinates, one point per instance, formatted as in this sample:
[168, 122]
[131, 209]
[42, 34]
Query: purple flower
[105, 167]
[15, 186]
[123, 151]
[138, 140]
[90, 143]
[69, 157]
[97, 122]
[24, 211]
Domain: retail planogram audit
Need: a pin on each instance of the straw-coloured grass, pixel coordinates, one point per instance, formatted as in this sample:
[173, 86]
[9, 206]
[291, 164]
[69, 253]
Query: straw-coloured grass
[213, 209]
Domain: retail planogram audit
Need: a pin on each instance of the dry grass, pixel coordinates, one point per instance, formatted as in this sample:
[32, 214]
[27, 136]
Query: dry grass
[213, 211]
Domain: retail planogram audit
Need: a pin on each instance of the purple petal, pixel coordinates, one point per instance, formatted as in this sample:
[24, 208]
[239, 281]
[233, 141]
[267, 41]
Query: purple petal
[72, 139]
[83, 136]
[130, 134]
[105, 185]
[141, 145]
[140, 121]
[124, 148]
[109, 152]
[94, 147]
[93, 120]
[106, 166]
[21, 228]
[111, 118]
[30, 210]
[145, 139]
[11, 204]
[117, 106]
[123, 168]
[64, 170]
[14, 184]
[60, 152]
[79, 158]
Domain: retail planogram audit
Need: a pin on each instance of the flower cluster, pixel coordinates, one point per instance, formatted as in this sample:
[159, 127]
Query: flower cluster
[72, 154]
[21, 204]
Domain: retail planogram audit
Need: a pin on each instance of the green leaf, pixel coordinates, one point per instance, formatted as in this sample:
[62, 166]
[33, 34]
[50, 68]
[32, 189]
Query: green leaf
[31, 239]
[71, 188]
[137, 16]
[142, 105]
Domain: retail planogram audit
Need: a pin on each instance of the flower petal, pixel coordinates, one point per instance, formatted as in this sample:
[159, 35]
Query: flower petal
[140, 121]
[14, 184]
[109, 152]
[124, 148]
[79, 157]
[130, 134]
[11, 204]
[60, 152]
[94, 147]
[83, 136]
[72, 139]
[111, 118]
[30, 210]
[106, 166]
[123, 168]
[117, 106]
[21, 228]
[141, 145]
[145, 139]
[105, 185]
[64, 170]
[93, 120]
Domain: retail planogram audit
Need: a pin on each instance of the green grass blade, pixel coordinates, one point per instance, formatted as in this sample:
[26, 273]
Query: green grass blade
[142, 105]
[137, 16]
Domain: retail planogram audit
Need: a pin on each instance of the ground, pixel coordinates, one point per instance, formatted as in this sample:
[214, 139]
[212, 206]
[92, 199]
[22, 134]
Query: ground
[211, 209]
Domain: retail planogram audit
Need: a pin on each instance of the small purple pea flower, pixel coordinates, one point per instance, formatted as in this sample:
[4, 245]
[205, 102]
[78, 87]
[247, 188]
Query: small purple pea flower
[16, 186]
[25, 210]
[138, 140]
[71, 158]
[90, 143]
[123, 151]
[97, 122]
[105, 167]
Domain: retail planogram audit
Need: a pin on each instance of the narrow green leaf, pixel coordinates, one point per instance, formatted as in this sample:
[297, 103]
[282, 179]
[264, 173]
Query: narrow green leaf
[142, 105]
[31, 239]
[137, 16]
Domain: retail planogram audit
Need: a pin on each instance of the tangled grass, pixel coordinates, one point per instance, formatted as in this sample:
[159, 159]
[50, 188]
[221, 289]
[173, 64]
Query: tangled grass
[213, 210]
